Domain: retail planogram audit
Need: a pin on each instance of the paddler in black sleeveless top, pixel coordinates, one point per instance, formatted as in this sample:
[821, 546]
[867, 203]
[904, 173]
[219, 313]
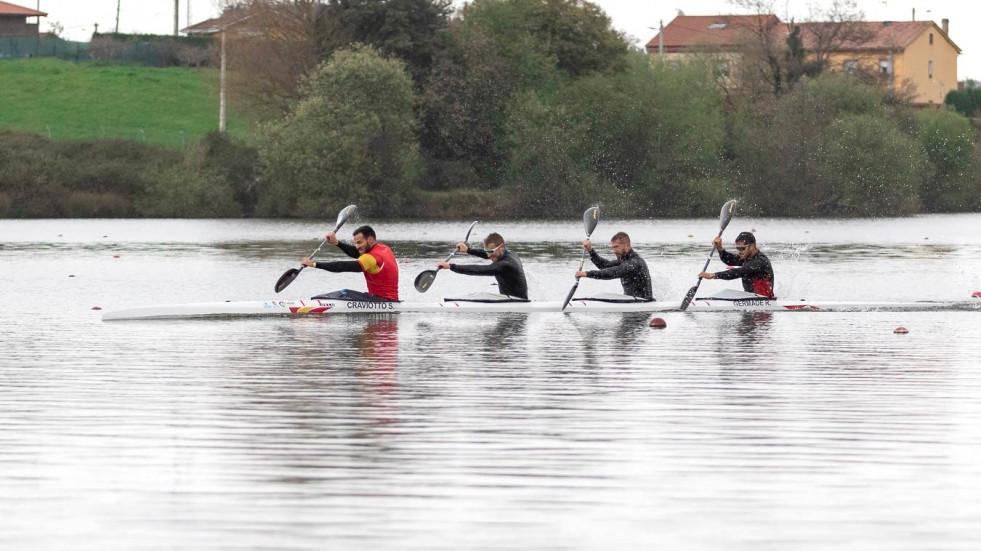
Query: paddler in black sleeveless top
[752, 266]
[505, 266]
[628, 267]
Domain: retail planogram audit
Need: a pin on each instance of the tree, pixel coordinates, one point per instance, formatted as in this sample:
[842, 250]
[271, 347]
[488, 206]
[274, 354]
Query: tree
[834, 27]
[273, 46]
[349, 140]
[646, 141]
[946, 136]
[575, 34]
[414, 31]
[867, 167]
[806, 153]
[464, 114]
[778, 55]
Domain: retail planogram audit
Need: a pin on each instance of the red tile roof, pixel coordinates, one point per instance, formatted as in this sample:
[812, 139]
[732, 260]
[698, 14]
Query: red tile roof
[725, 32]
[718, 31]
[231, 16]
[881, 35]
[11, 9]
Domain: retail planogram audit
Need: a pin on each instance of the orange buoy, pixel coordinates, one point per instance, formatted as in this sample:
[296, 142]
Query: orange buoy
[658, 323]
[901, 330]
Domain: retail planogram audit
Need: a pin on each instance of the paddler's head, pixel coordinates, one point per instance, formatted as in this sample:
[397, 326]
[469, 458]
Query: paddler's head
[746, 245]
[364, 239]
[621, 244]
[494, 246]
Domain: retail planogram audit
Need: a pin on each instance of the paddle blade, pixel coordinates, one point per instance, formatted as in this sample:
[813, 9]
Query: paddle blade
[690, 296]
[568, 298]
[424, 280]
[589, 220]
[467, 238]
[342, 216]
[287, 278]
[725, 216]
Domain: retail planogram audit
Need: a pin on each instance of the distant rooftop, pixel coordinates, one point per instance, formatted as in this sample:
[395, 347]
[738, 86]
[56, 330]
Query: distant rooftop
[7, 8]
[687, 32]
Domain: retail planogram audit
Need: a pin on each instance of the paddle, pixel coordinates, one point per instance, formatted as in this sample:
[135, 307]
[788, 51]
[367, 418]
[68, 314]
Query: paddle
[288, 277]
[589, 220]
[724, 218]
[426, 278]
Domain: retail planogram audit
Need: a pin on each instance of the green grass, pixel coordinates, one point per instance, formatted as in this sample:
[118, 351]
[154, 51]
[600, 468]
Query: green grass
[63, 100]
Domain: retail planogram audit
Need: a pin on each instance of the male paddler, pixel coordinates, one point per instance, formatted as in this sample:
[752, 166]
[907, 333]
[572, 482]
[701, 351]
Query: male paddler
[374, 259]
[628, 267]
[751, 265]
[505, 266]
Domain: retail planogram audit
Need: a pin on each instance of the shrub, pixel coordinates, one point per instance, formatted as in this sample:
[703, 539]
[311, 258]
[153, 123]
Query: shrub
[947, 138]
[350, 140]
[867, 167]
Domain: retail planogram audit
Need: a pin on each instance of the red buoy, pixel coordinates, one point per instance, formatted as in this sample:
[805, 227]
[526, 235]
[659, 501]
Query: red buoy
[977, 294]
[901, 330]
[97, 308]
[658, 323]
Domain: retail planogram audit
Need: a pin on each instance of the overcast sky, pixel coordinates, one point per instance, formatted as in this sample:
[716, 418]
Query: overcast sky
[638, 18]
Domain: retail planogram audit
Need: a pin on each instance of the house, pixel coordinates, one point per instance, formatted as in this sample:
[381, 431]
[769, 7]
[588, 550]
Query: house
[901, 52]
[13, 20]
[916, 54]
[230, 17]
[689, 35]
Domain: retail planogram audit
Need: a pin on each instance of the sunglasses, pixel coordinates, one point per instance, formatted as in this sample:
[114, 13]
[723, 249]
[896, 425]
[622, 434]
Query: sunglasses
[491, 251]
[742, 248]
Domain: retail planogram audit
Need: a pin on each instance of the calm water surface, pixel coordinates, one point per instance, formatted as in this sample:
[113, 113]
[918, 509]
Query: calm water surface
[491, 431]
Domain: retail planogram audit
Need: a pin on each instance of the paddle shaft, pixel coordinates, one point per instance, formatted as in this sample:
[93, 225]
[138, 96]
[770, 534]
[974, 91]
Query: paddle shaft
[707, 262]
[724, 218]
[292, 273]
[322, 243]
[425, 278]
[582, 262]
[590, 224]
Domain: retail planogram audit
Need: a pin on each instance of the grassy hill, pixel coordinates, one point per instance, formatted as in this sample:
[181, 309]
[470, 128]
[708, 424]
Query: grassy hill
[63, 100]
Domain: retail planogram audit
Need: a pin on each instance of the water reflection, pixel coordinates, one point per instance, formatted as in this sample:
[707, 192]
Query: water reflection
[609, 337]
[754, 324]
[510, 330]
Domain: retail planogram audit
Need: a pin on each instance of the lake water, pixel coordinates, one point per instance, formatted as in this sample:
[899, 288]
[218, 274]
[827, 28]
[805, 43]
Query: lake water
[493, 431]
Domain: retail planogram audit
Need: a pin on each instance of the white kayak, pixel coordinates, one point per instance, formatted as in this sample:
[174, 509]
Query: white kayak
[725, 301]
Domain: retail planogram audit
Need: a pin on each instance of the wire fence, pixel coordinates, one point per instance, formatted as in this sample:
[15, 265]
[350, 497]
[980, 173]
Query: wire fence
[157, 51]
[159, 136]
[27, 46]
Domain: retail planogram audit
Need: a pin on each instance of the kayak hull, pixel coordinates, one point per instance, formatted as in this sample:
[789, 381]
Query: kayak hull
[616, 303]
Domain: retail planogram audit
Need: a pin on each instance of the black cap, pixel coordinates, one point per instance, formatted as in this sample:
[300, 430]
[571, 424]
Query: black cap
[747, 238]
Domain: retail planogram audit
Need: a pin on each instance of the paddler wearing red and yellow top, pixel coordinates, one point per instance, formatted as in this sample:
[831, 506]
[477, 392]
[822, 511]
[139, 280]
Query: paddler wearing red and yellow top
[374, 259]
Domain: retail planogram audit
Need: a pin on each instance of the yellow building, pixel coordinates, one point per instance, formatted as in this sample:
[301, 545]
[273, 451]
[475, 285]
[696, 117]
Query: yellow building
[912, 56]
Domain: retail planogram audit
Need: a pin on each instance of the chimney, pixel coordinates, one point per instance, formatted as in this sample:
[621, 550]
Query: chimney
[945, 25]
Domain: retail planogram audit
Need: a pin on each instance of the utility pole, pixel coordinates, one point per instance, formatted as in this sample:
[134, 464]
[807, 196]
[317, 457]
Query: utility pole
[221, 100]
[177, 10]
[660, 40]
[117, 15]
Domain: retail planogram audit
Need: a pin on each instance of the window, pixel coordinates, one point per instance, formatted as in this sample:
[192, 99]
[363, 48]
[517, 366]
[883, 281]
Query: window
[723, 25]
[930, 69]
[931, 38]
[851, 66]
[885, 68]
[722, 69]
